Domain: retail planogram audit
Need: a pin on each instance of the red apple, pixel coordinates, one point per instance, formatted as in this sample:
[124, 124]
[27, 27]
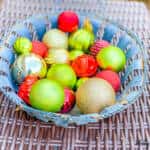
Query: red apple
[111, 77]
[39, 48]
[68, 21]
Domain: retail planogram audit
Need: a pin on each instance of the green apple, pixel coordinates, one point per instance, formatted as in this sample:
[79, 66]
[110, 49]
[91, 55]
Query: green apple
[74, 54]
[63, 73]
[47, 95]
[112, 58]
[22, 45]
[81, 39]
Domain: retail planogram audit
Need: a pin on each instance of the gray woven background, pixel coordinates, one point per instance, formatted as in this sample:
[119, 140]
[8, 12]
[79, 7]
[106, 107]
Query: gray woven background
[127, 130]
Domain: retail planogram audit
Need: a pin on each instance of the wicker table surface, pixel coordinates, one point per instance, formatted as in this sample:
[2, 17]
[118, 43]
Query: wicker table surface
[127, 130]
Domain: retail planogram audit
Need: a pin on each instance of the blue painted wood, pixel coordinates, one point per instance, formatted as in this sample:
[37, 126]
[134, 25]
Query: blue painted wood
[132, 51]
[7, 54]
[22, 30]
[53, 20]
[135, 65]
[124, 40]
[109, 31]
[39, 23]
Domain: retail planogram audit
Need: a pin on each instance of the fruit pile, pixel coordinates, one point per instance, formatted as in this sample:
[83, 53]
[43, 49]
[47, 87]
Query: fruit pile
[67, 67]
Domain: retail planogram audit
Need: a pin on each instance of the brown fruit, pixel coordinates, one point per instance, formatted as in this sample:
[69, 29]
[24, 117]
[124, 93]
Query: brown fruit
[94, 95]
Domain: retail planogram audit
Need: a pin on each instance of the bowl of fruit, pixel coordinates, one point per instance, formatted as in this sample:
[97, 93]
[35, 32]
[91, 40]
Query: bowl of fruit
[71, 68]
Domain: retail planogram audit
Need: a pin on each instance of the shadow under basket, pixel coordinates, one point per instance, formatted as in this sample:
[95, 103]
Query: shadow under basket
[132, 78]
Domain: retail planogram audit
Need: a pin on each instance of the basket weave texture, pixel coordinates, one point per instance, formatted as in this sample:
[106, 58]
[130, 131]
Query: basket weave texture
[129, 128]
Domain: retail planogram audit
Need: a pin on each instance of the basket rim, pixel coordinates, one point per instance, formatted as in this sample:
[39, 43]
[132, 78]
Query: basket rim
[67, 117]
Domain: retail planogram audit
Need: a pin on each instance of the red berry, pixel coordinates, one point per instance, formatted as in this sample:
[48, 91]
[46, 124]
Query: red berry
[25, 88]
[85, 66]
[111, 77]
[68, 21]
[97, 46]
[69, 101]
[39, 48]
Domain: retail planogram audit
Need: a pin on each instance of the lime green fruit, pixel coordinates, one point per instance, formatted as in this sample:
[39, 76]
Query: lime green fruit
[81, 81]
[74, 54]
[47, 95]
[22, 45]
[81, 40]
[63, 73]
[112, 58]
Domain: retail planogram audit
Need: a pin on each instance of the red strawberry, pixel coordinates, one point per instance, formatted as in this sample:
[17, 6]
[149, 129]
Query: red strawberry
[111, 77]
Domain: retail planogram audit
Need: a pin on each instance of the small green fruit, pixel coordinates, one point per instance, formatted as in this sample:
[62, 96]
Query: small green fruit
[81, 40]
[47, 95]
[22, 45]
[112, 58]
[63, 73]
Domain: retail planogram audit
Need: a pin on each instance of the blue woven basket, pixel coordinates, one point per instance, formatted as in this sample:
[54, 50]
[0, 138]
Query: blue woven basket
[132, 78]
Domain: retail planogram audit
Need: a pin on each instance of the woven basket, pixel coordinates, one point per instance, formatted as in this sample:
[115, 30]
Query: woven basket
[132, 77]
